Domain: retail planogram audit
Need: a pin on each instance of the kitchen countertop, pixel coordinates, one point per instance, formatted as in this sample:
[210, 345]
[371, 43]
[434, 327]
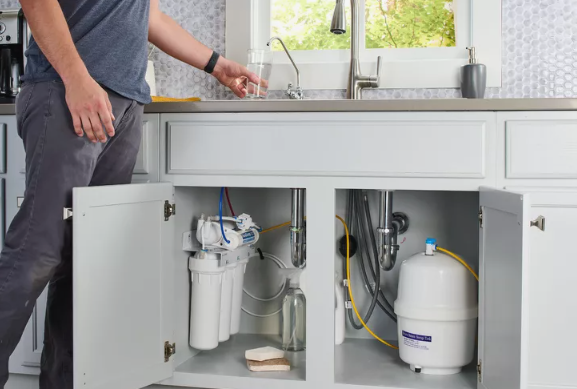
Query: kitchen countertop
[432, 105]
[366, 105]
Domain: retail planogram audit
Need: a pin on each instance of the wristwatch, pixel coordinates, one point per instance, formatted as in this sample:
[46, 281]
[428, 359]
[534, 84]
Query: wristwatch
[209, 68]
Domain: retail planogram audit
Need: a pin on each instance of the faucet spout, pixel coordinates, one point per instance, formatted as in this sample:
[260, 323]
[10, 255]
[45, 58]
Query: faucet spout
[357, 81]
[289, 56]
[339, 23]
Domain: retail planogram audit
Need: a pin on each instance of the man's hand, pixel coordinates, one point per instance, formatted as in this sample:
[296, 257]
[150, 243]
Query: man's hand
[87, 101]
[90, 108]
[169, 37]
[234, 75]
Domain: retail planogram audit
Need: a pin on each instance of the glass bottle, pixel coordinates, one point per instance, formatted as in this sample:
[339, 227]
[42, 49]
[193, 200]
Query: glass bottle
[294, 311]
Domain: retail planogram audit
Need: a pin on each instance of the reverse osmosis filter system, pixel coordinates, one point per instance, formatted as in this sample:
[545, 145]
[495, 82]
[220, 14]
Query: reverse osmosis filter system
[217, 275]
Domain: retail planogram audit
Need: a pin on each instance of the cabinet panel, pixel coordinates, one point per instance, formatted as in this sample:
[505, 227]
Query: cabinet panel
[33, 338]
[133, 313]
[553, 312]
[338, 144]
[536, 149]
[503, 290]
[3, 147]
[541, 149]
[147, 162]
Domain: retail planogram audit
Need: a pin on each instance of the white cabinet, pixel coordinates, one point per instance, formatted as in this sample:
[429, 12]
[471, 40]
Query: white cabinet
[122, 289]
[503, 290]
[537, 148]
[415, 145]
[147, 161]
[520, 304]
[552, 291]
[26, 357]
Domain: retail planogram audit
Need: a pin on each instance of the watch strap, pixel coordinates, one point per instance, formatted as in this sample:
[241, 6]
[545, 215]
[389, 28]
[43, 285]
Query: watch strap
[209, 68]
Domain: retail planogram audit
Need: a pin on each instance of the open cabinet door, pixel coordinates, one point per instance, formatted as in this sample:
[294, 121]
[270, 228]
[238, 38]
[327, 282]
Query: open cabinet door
[503, 290]
[123, 276]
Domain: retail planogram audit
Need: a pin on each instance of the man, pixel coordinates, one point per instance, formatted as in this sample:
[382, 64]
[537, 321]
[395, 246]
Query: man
[80, 116]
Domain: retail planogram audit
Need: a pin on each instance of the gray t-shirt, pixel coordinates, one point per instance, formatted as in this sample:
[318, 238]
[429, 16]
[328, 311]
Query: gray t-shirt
[111, 37]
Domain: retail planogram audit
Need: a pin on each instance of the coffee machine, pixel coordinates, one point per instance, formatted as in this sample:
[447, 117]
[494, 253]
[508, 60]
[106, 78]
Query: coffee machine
[14, 35]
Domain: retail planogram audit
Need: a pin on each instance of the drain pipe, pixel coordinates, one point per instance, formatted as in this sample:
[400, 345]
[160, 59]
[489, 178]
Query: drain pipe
[387, 232]
[298, 228]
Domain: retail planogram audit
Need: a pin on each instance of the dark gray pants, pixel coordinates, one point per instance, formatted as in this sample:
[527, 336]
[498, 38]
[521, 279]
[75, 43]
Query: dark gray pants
[38, 245]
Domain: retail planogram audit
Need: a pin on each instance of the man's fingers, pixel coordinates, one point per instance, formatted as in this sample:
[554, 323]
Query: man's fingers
[110, 109]
[107, 122]
[87, 126]
[251, 76]
[77, 123]
[97, 127]
[240, 91]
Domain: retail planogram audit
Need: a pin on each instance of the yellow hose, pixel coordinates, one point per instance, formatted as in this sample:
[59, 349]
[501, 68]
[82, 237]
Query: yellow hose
[351, 290]
[275, 227]
[455, 256]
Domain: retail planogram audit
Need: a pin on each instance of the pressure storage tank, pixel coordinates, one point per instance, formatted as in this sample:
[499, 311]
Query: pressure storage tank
[437, 313]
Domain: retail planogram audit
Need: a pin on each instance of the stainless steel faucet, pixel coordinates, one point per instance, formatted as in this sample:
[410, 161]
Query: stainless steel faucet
[297, 94]
[357, 81]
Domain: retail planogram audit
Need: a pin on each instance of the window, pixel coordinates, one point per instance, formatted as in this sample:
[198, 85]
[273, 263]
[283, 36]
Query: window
[422, 42]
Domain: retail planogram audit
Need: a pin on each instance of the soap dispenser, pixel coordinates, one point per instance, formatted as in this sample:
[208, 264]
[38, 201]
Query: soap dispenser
[473, 77]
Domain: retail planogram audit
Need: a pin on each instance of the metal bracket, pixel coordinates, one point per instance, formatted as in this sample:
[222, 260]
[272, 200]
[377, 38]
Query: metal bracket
[67, 213]
[169, 351]
[481, 221]
[480, 371]
[169, 210]
[539, 223]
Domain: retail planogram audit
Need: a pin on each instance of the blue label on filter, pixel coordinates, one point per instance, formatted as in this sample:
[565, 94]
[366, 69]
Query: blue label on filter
[248, 237]
[420, 338]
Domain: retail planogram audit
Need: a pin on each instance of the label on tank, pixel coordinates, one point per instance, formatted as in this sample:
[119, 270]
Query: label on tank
[248, 237]
[417, 341]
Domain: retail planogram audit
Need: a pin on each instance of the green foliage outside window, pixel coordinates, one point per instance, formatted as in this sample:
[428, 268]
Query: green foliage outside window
[305, 24]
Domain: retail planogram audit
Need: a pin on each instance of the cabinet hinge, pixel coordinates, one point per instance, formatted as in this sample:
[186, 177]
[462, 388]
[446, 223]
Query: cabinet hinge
[481, 221]
[539, 223]
[480, 371]
[169, 351]
[169, 210]
[67, 213]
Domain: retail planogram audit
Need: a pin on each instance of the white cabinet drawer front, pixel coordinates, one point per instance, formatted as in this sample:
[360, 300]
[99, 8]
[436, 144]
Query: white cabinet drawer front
[395, 148]
[541, 149]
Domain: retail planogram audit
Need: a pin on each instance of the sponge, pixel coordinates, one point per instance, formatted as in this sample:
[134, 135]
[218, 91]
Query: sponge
[264, 354]
[280, 364]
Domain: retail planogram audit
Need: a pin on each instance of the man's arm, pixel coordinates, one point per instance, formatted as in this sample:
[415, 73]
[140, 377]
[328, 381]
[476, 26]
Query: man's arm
[175, 41]
[88, 102]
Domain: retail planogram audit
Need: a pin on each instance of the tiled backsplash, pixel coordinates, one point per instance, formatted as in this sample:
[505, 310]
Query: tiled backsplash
[539, 53]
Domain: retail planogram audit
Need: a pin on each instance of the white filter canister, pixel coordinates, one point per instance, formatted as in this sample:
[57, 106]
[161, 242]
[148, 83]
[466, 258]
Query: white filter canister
[237, 293]
[205, 302]
[437, 314]
[226, 302]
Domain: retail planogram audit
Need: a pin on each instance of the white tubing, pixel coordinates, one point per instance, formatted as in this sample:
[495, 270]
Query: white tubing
[281, 265]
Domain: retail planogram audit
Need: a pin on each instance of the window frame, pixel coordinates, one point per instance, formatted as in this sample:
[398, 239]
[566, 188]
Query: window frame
[248, 25]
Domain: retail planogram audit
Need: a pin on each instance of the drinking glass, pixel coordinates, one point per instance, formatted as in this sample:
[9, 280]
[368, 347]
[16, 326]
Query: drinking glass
[259, 63]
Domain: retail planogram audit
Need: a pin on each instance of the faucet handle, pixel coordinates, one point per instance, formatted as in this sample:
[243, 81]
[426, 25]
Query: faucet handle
[374, 81]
